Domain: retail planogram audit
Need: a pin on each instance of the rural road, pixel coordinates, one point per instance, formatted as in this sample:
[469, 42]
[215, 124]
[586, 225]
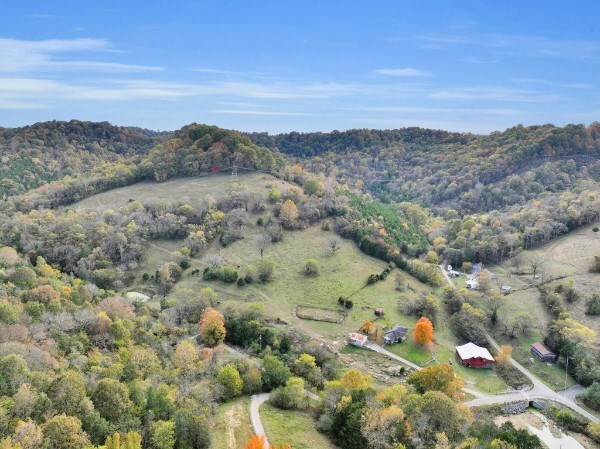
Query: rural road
[255, 402]
[539, 391]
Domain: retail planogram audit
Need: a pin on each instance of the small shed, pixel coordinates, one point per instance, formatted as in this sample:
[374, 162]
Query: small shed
[357, 339]
[505, 289]
[395, 334]
[379, 311]
[472, 284]
[474, 356]
[543, 353]
[453, 273]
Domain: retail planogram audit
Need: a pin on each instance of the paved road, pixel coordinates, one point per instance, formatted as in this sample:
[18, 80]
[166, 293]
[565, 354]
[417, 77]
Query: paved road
[381, 350]
[255, 402]
[539, 391]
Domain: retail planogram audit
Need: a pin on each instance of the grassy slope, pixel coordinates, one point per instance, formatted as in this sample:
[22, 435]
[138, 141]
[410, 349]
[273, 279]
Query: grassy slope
[340, 275]
[294, 427]
[232, 425]
[567, 257]
[187, 190]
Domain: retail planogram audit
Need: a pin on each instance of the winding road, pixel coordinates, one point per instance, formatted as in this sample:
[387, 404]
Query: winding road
[539, 391]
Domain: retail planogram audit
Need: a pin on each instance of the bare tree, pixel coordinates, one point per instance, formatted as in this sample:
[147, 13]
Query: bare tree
[536, 262]
[262, 241]
[334, 243]
[517, 262]
[214, 260]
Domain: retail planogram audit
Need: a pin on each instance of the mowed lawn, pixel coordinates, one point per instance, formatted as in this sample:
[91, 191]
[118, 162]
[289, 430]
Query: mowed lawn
[232, 425]
[294, 427]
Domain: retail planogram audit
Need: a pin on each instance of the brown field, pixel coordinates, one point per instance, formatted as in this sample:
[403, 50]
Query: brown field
[320, 314]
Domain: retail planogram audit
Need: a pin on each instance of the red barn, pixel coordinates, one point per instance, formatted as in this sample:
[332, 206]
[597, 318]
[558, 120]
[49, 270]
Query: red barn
[474, 356]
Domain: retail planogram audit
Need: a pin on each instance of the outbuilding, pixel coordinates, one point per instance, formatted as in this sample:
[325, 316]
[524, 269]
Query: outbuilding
[474, 356]
[472, 284]
[357, 339]
[543, 353]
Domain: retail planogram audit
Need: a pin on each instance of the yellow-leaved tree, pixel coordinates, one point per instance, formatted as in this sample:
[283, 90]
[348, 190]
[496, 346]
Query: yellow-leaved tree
[212, 327]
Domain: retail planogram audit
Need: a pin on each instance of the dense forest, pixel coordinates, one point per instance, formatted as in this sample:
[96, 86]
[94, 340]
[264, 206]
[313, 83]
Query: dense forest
[483, 196]
[35, 155]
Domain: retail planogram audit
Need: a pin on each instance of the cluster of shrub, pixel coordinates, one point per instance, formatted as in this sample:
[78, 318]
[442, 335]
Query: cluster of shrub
[373, 278]
[345, 302]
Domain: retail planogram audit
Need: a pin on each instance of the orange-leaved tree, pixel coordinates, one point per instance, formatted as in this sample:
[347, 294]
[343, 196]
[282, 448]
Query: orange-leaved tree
[212, 327]
[288, 214]
[423, 331]
[258, 442]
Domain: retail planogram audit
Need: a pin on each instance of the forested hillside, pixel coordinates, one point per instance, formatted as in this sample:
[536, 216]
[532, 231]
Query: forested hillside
[71, 161]
[34, 155]
[485, 195]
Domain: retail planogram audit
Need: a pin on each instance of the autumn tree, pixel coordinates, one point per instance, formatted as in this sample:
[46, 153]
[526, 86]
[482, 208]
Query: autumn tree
[262, 241]
[162, 435]
[423, 331]
[432, 257]
[288, 214]
[535, 263]
[129, 440]
[494, 303]
[64, 432]
[256, 442]
[212, 327]
[437, 378]
[504, 356]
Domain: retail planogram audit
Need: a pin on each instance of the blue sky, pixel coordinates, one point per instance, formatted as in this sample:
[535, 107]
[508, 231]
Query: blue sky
[278, 66]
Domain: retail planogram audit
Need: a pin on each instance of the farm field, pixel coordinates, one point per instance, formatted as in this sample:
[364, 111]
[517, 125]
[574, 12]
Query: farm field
[232, 429]
[342, 274]
[185, 190]
[294, 427]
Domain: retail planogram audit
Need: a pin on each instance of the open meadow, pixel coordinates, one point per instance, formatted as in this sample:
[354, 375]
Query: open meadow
[183, 190]
[342, 274]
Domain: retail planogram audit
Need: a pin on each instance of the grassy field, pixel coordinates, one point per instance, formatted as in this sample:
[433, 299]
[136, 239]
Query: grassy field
[232, 429]
[294, 427]
[186, 190]
[567, 257]
[571, 257]
[342, 274]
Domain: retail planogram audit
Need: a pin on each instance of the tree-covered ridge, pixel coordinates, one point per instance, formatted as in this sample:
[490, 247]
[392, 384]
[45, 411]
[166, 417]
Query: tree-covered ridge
[34, 155]
[465, 172]
[128, 156]
[198, 149]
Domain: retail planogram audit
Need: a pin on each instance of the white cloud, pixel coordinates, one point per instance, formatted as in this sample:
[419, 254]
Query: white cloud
[255, 112]
[518, 45]
[405, 72]
[21, 56]
[493, 93]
